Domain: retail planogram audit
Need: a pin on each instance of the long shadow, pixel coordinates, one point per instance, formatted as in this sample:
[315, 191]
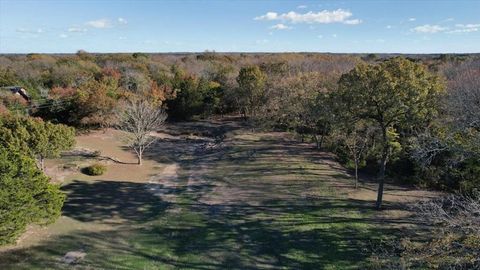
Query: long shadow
[104, 200]
[232, 237]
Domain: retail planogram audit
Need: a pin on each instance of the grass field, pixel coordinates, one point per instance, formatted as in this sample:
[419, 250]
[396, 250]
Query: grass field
[212, 195]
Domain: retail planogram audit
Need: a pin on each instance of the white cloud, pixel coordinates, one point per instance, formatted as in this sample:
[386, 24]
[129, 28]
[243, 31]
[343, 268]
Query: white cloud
[148, 41]
[262, 41]
[470, 25]
[101, 23]
[63, 35]
[30, 31]
[269, 16]
[77, 30]
[430, 29]
[334, 35]
[353, 22]
[302, 7]
[320, 36]
[280, 26]
[389, 27]
[457, 28]
[324, 17]
[412, 19]
[465, 28]
[122, 20]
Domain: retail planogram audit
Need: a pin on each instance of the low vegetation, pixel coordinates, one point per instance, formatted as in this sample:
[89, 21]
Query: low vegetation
[95, 169]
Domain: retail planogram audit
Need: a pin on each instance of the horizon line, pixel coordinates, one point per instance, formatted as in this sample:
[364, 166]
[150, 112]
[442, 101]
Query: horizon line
[238, 52]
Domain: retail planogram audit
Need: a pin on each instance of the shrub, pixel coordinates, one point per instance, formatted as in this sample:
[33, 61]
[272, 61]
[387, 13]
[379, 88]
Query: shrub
[95, 169]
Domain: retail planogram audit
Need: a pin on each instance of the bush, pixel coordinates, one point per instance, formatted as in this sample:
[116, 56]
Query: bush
[95, 169]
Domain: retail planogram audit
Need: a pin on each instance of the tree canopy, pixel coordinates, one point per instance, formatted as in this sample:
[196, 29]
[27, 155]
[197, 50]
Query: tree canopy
[26, 196]
[397, 96]
[251, 82]
[35, 137]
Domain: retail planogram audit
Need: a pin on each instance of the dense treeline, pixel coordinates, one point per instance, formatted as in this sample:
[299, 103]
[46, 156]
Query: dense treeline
[413, 120]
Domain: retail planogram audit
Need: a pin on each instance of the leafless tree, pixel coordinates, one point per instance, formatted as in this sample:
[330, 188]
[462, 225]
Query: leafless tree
[464, 97]
[453, 213]
[461, 119]
[453, 242]
[138, 119]
[357, 142]
[426, 146]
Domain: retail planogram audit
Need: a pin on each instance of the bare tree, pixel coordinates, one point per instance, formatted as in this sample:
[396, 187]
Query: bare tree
[357, 141]
[138, 119]
[463, 102]
[425, 147]
[454, 222]
[461, 120]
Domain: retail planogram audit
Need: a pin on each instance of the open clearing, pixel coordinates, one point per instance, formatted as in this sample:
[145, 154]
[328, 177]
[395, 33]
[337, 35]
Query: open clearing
[211, 195]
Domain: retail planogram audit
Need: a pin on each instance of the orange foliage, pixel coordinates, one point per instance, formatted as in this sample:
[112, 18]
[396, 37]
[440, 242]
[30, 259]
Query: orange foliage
[58, 92]
[15, 99]
[158, 94]
[111, 72]
[3, 110]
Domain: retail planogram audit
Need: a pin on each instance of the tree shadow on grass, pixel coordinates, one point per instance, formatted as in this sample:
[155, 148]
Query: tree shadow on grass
[104, 200]
[280, 229]
[284, 236]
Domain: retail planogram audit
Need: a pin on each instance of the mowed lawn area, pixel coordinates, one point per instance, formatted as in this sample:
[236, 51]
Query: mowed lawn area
[213, 195]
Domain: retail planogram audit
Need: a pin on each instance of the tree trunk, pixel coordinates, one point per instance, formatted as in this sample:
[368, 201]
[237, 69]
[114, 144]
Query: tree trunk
[139, 156]
[381, 173]
[356, 173]
[244, 113]
[318, 142]
[42, 163]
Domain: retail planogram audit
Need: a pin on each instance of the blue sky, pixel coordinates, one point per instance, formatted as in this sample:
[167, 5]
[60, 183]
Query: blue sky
[56, 26]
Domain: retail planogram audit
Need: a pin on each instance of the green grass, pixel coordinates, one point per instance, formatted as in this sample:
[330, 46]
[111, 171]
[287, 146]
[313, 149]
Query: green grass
[262, 203]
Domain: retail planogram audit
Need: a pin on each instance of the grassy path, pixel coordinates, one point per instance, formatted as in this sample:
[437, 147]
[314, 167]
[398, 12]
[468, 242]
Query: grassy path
[230, 200]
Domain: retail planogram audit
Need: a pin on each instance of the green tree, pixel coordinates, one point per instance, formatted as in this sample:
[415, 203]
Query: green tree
[26, 196]
[188, 96]
[396, 95]
[251, 81]
[37, 138]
